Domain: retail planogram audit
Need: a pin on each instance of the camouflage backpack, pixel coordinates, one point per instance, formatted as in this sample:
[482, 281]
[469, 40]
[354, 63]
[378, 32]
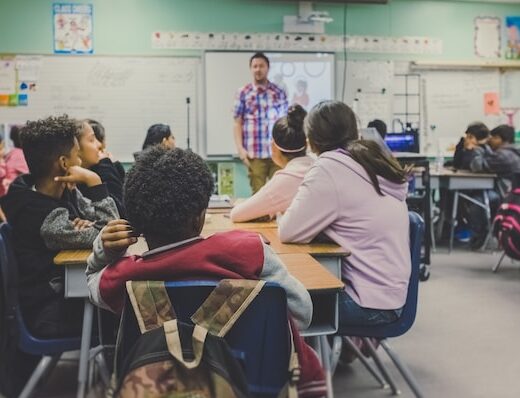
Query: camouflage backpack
[162, 363]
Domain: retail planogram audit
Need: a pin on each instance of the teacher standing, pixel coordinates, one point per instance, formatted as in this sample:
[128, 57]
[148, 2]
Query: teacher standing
[257, 107]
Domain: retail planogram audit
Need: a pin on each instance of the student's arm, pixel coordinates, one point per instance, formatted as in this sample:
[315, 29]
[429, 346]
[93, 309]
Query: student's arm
[108, 247]
[313, 209]
[485, 160]
[266, 202]
[298, 298]
[242, 153]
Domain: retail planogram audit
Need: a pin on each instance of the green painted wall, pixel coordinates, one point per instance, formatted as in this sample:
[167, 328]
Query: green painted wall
[124, 27]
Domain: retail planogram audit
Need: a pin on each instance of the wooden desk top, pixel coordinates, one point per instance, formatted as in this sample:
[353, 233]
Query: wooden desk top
[221, 222]
[302, 266]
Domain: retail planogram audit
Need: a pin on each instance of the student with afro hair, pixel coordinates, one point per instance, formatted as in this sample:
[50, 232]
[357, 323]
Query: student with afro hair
[166, 195]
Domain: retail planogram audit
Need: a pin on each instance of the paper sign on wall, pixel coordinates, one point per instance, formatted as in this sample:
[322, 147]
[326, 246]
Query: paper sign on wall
[72, 28]
[491, 104]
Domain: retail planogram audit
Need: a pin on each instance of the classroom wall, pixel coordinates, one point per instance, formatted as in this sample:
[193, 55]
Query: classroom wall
[124, 27]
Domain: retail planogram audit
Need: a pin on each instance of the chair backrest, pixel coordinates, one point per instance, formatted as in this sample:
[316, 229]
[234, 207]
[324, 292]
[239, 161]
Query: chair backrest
[407, 317]
[259, 339]
[13, 316]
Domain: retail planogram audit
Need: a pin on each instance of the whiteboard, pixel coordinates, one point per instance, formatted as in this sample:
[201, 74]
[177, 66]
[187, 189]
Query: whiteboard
[125, 94]
[452, 100]
[227, 72]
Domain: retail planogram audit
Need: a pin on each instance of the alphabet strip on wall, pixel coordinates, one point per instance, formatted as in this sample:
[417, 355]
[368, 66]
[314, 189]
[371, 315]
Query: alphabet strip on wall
[295, 42]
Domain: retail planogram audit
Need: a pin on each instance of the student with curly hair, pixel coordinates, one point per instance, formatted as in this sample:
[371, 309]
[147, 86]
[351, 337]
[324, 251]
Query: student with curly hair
[166, 196]
[48, 215]
[289, 148]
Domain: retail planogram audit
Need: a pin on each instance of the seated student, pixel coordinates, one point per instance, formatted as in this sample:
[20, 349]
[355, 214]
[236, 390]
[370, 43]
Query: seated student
[502, 158]
[99, 132]
[158, 134]
[380, 126]
[477, 134]
[94, 159]
[14, 159]
[47, 215]
[166, 196]
[355, 195]
[289, 147]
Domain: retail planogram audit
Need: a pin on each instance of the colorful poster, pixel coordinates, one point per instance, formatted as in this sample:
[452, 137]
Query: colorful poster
[513, 37]
[72, 28]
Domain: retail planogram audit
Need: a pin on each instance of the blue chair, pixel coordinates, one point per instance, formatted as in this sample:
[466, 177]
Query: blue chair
[50, 349]
[405, 321]
[259, 339]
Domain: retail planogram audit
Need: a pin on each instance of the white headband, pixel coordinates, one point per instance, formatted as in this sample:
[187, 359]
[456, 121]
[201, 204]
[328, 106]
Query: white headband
[289, 150]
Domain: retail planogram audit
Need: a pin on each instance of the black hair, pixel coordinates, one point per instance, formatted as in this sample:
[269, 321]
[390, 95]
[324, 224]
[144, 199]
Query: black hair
[259, 55]
[288, 132]
[155, 134]
[376, 162]
[380, 126]
[45, 140]
[330, 125]
[479, 130]
[14, 135]
[166, 190]
[99, 130]
[505, 132]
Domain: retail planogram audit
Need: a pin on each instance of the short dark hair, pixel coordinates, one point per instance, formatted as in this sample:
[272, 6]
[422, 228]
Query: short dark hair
[331, 125]
[99, 130]
[14, 135]
[478, 130]
[288, 132]
[155, 134]
[380, 126]
[165, 190]
[505, 132]
[45, 140]
[261, 56]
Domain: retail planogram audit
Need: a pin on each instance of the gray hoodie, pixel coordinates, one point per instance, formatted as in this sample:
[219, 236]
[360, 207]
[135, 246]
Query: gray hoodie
[338, 198]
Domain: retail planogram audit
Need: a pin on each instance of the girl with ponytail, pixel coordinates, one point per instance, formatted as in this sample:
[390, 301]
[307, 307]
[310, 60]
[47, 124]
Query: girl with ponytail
[289, 147]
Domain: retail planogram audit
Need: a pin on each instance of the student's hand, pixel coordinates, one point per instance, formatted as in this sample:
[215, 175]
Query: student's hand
[80, 224]
[79, 175]
[242, 153]
[470, 142]
[117, 235]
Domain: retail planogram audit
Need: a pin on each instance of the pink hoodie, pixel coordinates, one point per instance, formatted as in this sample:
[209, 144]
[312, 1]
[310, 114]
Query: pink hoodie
[337, 197]
[277, 194]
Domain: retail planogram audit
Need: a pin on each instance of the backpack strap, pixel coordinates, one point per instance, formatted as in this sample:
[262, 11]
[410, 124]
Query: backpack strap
[151, 304]
[225, 304]
[289, 390]
[171, 331]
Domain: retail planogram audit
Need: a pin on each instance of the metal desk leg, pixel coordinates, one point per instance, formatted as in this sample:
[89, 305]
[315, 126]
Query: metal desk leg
[487, 209]
[325, 361]
[86, 333]
[453, 217]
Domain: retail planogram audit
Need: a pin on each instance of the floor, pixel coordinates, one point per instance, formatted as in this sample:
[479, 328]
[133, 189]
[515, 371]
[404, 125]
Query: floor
[462, 344]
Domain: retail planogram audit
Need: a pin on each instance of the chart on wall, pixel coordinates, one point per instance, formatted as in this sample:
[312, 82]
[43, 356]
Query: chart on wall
[306, 78]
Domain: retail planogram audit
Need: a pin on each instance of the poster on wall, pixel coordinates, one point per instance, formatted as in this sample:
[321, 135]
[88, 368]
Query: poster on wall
[513, 38]
[487, 37]
[72, 28]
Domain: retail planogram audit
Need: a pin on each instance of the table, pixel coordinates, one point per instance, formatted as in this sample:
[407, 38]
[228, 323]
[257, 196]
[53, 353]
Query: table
[463, 180]
[322, 285]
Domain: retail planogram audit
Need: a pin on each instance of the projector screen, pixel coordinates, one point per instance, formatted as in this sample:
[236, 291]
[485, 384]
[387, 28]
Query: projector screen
[307, 78]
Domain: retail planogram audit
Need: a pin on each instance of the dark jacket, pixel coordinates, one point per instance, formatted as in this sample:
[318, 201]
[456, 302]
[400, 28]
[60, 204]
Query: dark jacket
[42, 226]
[113, 175]
[462, 157]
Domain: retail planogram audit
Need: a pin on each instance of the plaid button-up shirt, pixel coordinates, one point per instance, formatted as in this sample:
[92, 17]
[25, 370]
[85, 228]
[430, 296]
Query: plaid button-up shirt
[259, 108]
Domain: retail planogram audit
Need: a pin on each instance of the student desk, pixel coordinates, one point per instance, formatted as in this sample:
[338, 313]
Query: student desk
[463, 180]
[321, 284]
